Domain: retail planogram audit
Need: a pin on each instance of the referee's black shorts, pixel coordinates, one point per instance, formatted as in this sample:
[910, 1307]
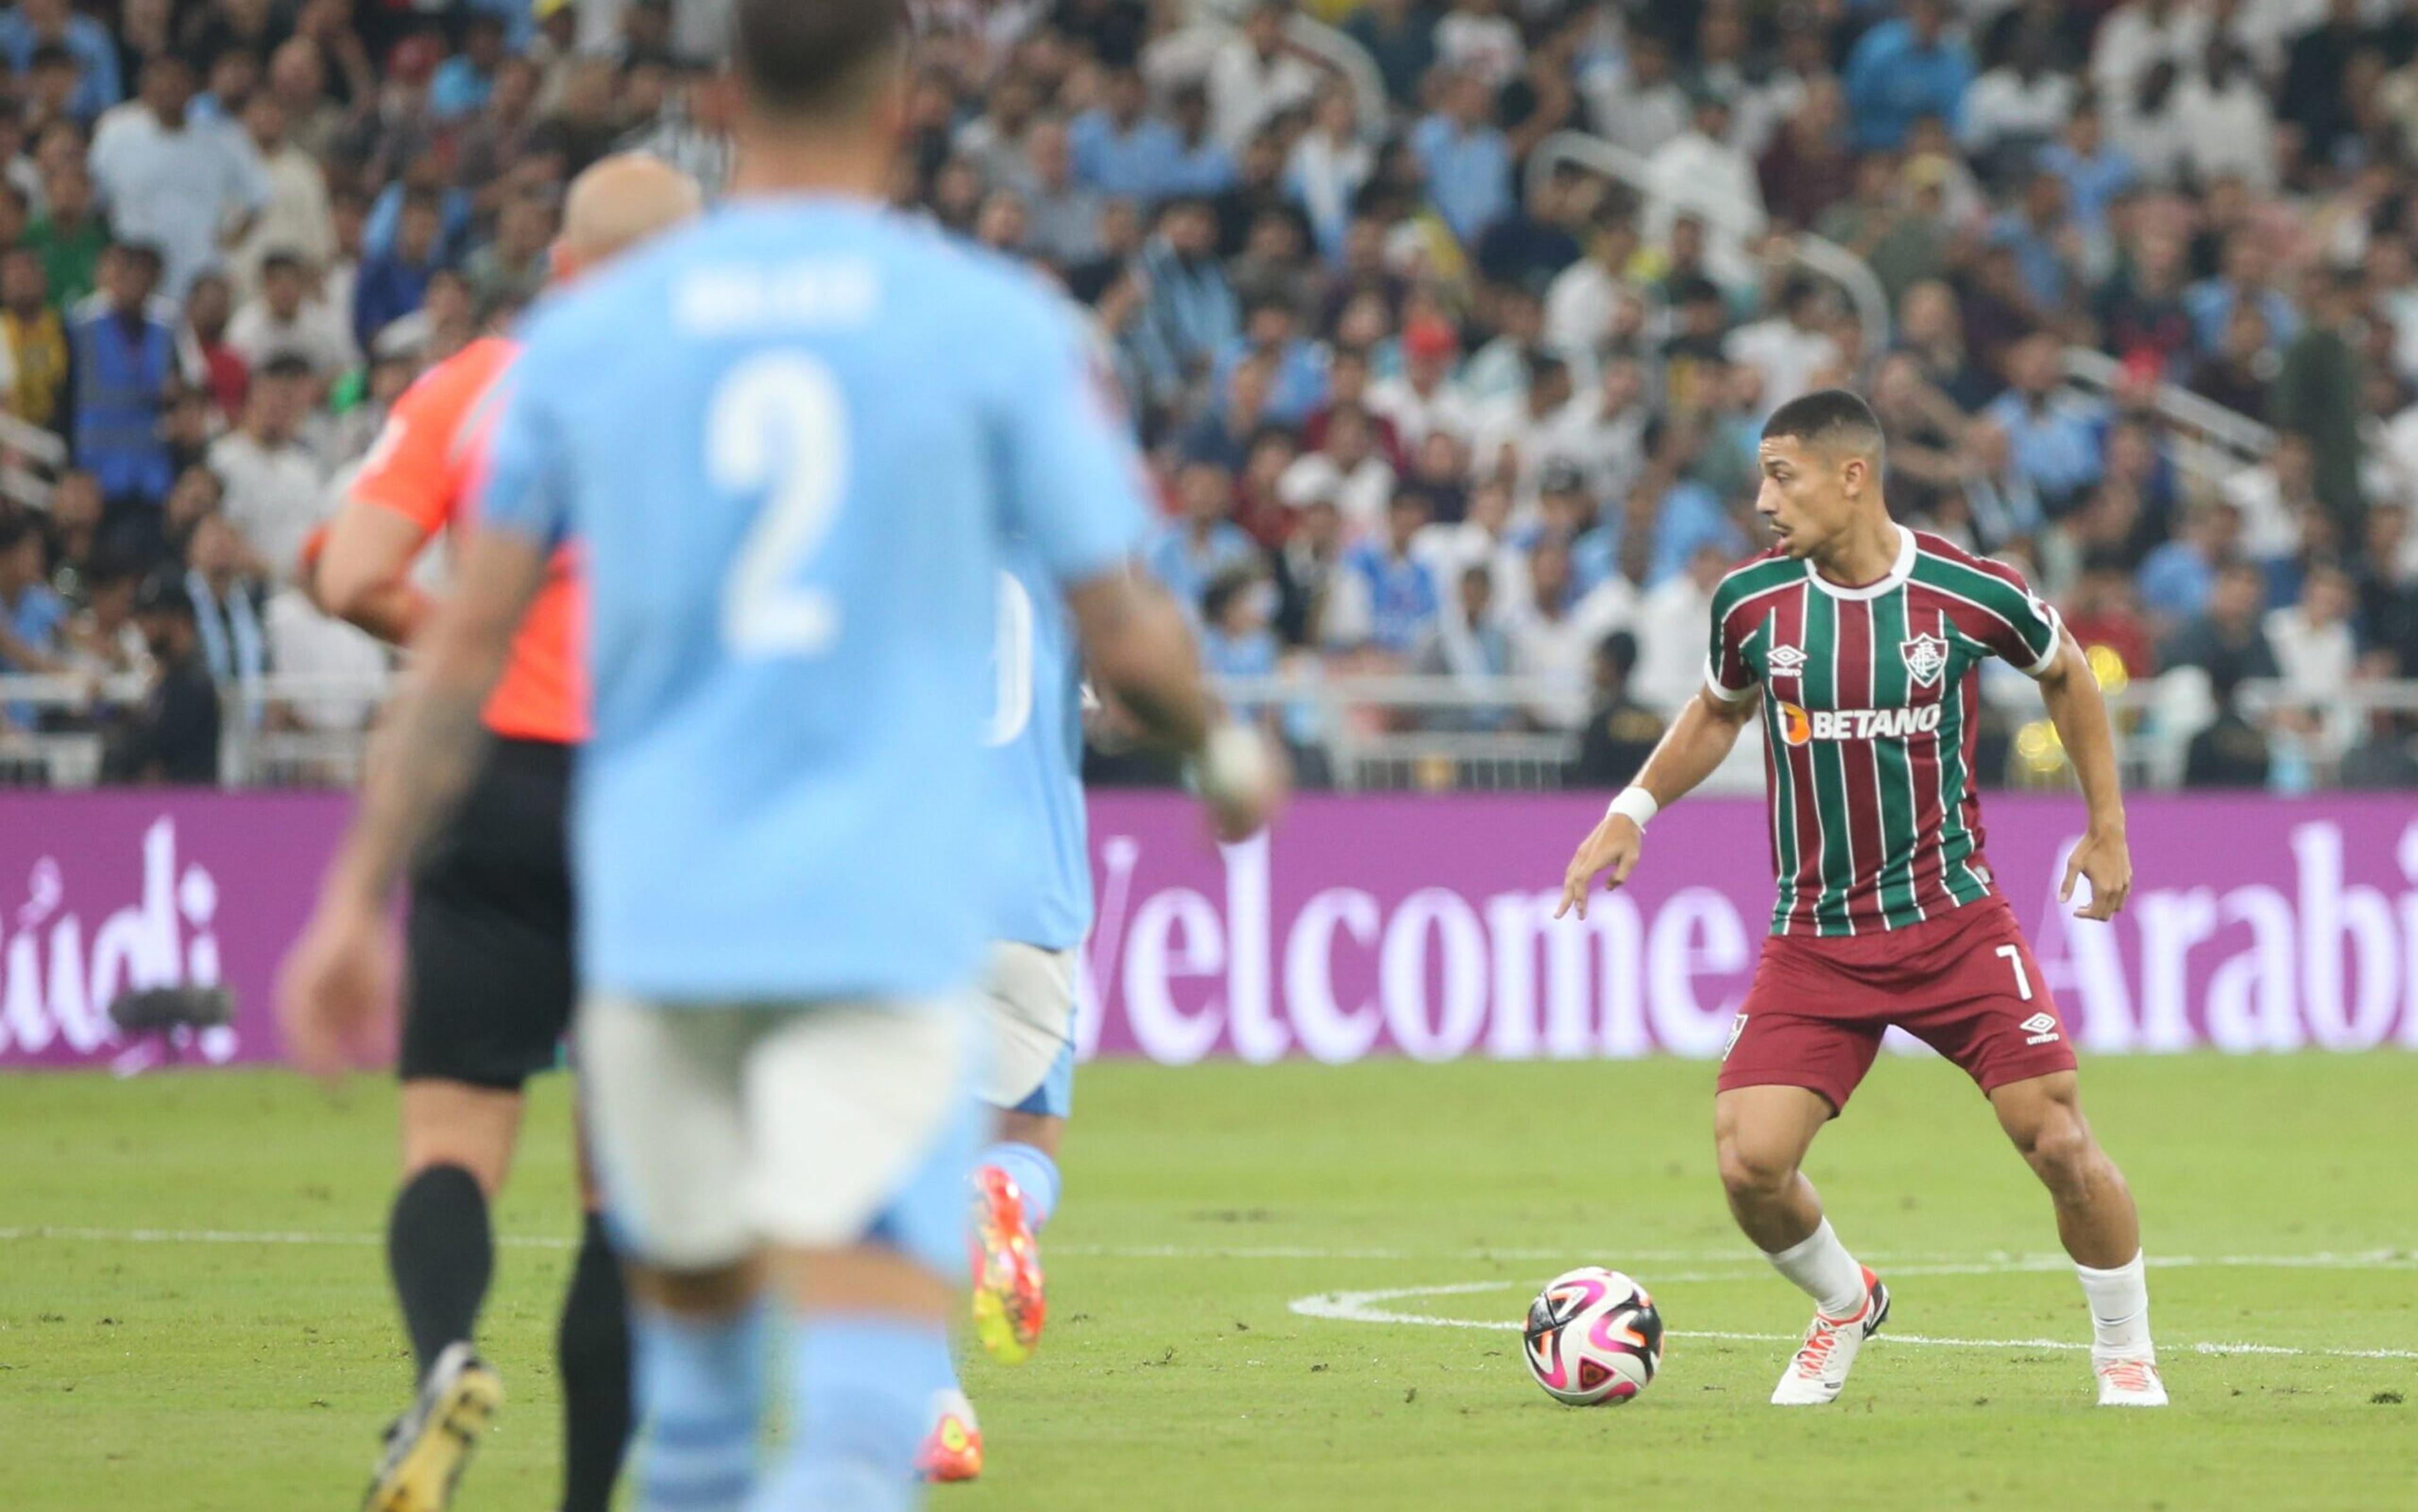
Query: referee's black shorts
[490, 986]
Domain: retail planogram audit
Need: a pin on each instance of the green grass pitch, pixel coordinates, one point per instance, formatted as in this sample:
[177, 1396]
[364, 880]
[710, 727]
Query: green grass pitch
[194, 1314]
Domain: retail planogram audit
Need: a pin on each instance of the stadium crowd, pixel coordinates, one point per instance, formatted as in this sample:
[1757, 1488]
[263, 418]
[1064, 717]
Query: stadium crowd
[1413, 399]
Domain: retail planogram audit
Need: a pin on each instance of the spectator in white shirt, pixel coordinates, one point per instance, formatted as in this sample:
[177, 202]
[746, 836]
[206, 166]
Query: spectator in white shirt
[2140, 34]
[1699, 172]
[2225, 124]
[2316, 653]
[1423, 396]
[188, 187]
[1256, 73]
[1555, 635]
[1789, 349]
[1591, 301]
[283, 320]
[305, 643]
[1671, 632]
[1522, 432]
[1477, 39]
[275, 489]
[2018, 107]
[1642, 106]
[1348, 469]
[1328, 164]
[297, 217]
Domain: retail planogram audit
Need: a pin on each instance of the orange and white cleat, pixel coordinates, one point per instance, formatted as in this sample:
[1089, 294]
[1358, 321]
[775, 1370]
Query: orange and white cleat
[1008, 1301]
[953, 1450]
[2130, 1383]
[1819, 1371]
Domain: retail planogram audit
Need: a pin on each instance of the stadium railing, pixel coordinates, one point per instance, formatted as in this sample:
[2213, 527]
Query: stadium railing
[31, 458]
[2208, 441]
[1813, 254]
[1354, 731]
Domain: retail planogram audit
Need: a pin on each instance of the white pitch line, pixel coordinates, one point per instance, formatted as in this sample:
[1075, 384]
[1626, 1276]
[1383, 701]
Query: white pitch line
[1361, 1308]
[230, 1236]
[1899, 1263]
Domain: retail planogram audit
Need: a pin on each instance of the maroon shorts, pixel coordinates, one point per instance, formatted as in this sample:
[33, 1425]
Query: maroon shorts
[1964, 984]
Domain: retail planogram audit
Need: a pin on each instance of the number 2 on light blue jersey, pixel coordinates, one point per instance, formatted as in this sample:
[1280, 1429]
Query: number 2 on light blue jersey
[779, 423]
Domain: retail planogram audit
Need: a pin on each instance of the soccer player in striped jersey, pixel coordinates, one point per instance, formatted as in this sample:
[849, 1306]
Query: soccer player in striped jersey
[1861, 644]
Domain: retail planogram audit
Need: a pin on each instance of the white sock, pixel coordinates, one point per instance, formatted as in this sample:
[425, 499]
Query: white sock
[1823, 1270]
[2120, 1310]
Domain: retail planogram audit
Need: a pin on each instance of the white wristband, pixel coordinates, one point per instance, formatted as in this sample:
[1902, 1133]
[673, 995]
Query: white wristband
[1234, 762]
[1636, 805]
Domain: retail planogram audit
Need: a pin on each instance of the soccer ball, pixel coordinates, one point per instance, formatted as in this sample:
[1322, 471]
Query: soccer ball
[1593, 1335]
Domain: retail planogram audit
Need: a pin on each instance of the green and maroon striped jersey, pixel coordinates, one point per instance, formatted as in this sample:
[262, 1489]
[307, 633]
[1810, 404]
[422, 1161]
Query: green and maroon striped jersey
[1869, 702]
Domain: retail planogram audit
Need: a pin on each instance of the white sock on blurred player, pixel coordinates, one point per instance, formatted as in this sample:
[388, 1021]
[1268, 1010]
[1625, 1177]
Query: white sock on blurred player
[2120, 1310]
[1823, 1270]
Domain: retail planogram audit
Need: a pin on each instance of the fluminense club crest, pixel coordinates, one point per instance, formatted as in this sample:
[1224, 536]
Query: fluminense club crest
[1926, 657]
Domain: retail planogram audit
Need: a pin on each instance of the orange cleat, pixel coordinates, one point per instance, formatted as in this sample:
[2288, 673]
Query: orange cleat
[1008, 1301]
[953, 1450]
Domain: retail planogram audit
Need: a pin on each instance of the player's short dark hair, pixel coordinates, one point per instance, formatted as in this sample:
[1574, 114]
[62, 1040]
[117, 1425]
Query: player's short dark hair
[52, 55]
[1827, 417]
[810, 60]
[283, 260]
[287, 366]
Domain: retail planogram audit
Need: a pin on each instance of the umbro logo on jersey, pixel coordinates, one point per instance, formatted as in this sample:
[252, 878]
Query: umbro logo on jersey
[1787, 660]
[1798, 725]
[1926, 657]
[2040, 1028]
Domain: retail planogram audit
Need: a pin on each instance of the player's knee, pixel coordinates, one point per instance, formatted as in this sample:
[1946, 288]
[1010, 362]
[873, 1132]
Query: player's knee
[2061, 1153]
[1750, 1171]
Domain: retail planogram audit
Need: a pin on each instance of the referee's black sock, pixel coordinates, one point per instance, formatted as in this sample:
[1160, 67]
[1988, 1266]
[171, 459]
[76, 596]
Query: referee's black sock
[441, 1255]
[592, 1349]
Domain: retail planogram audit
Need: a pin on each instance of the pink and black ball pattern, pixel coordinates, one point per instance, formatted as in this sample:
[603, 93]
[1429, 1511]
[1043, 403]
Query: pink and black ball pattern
[1593, 1335]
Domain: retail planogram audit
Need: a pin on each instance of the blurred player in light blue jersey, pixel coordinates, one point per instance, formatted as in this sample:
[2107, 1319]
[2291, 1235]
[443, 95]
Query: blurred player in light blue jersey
[1035, 750]
[792, 444]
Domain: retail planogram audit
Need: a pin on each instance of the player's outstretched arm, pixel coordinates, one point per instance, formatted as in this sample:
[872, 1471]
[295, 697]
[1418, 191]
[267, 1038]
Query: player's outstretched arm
[1695, 743]
[2071, 690]
[1138, 645]
[341, 972]
[360, 573]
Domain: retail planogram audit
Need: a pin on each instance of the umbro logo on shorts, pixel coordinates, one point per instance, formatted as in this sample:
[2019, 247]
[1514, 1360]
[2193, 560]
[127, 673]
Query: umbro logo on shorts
[1738, 1027]
[2040, 1028]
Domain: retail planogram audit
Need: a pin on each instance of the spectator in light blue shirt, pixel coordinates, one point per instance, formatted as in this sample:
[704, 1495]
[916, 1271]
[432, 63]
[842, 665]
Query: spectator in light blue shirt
[423, 173]
[463, 82]
[1122, 150]
[1468, 164]
[1201, 166]
[1191, 311]
[1190, 553]
[2247, 268]
[30, 613]
[2054, 440]
[1235, 640]
[2044, 239]
[2093, 172]
[1901, 70]
[1297, 367]
[2178, 577]
[1389, 593]
[30, 23]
